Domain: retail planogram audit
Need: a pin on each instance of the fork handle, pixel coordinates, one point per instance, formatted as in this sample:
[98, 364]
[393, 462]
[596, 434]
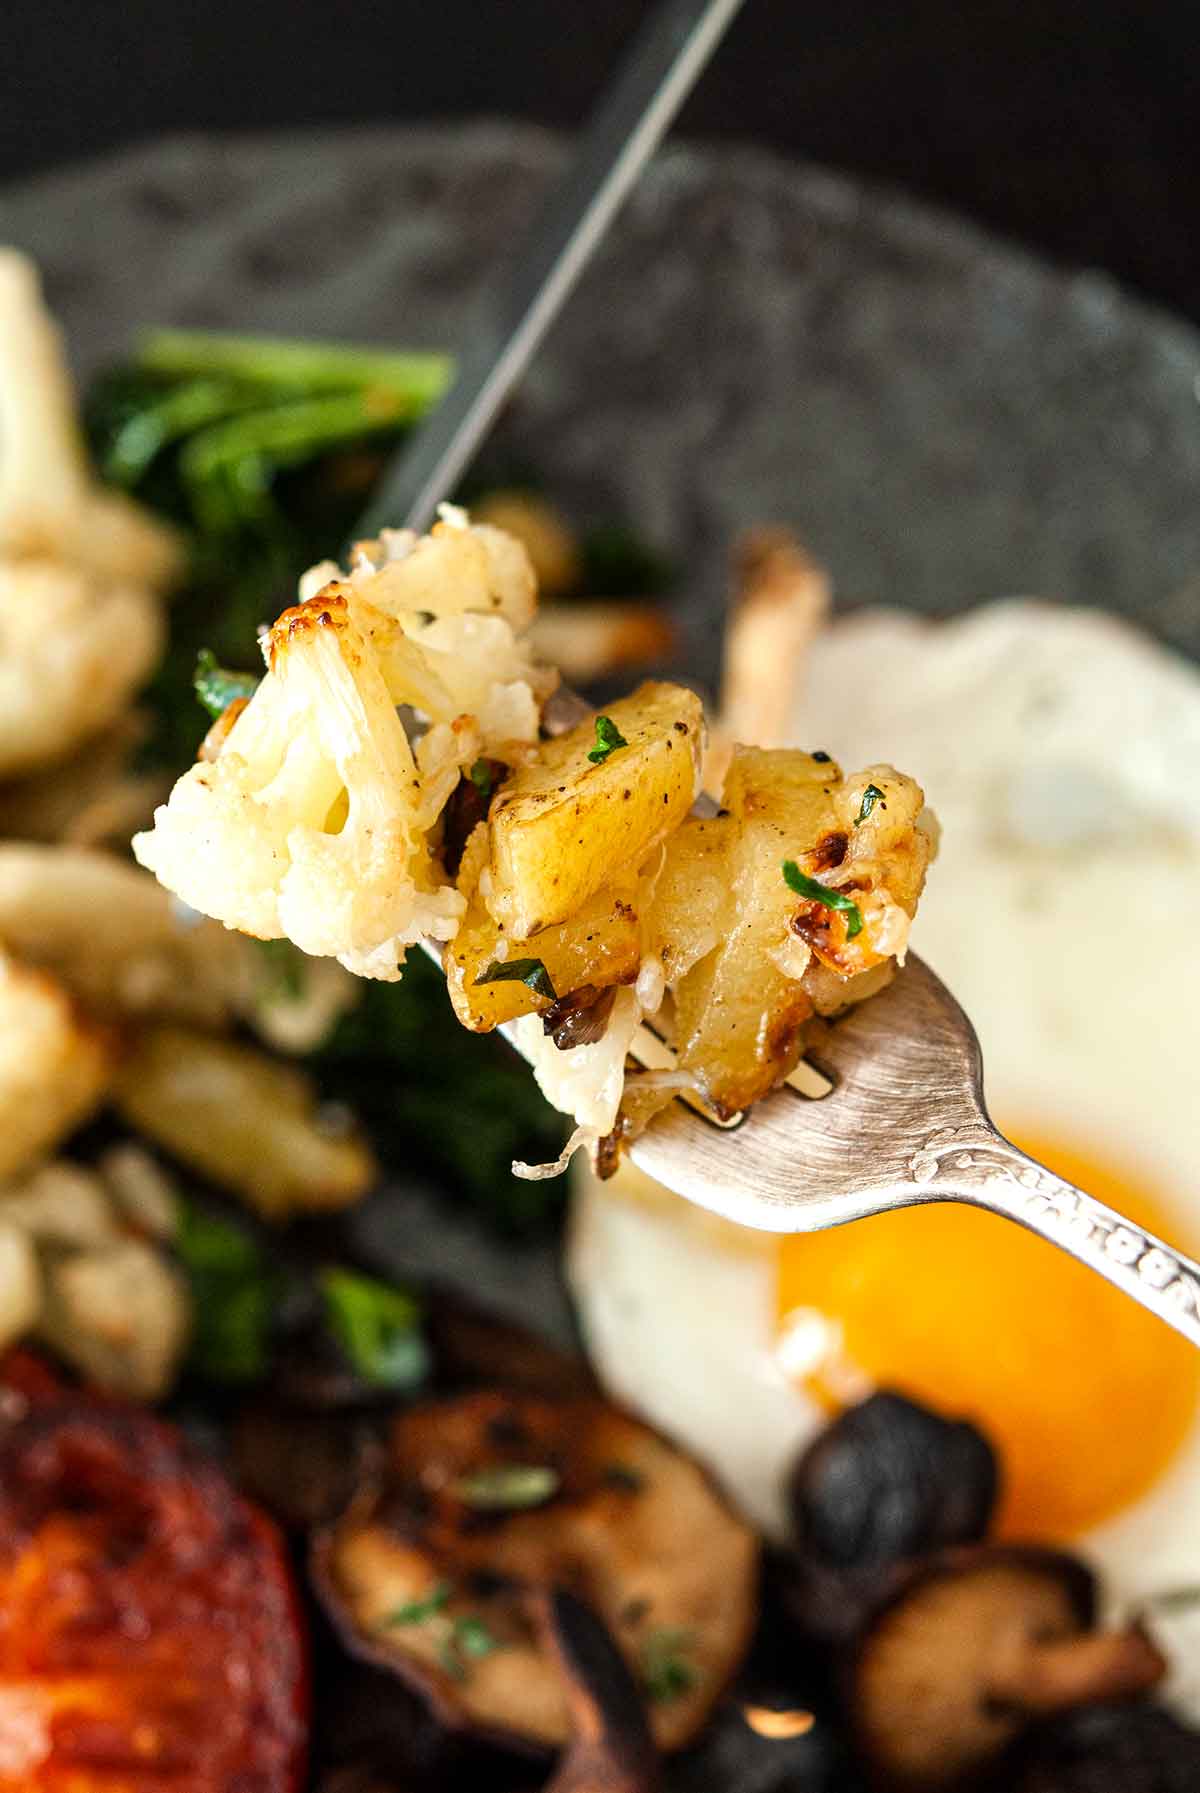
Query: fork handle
[992, 1173]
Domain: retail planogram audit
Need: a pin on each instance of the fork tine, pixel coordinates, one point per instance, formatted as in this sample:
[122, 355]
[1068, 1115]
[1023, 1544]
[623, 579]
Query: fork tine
[797, 1164]
[911, 1024]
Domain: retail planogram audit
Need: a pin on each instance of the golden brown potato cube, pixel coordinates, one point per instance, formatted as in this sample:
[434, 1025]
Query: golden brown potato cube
[563, 825]
[55, 1065]
[601, 945]
[738, 1013]
[691, 894]
[243, 1119]
[740, 1010]
[896, 837]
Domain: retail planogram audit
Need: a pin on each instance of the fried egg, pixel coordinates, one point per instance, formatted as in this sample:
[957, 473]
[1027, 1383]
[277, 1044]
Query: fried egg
[1061, 751]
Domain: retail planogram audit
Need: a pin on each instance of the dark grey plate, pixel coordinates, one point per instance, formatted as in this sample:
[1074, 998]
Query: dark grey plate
[944, 418]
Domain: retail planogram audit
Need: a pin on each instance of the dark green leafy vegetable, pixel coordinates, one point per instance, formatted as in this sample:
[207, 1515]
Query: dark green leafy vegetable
[166, 418]
[520, 971]
[508, 1488]
[378, 1327]
[608, 739]
[235, 1294]
[229, 467]
[666, 1672]
[870, 797]
[264, 453]
[460, 1110]
[816, 892]
[286, 966]
[282, 363]
[216, 687]
[616, 563]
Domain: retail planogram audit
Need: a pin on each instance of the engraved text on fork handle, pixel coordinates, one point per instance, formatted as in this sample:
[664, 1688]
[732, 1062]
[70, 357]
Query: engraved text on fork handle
[991, 1173]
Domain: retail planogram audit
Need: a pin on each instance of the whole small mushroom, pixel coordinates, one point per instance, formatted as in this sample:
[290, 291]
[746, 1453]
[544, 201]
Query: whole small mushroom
[975, 1647]
[884, 1484]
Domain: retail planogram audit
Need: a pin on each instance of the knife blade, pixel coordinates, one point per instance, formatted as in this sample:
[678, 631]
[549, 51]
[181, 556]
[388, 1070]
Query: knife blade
[647, 91]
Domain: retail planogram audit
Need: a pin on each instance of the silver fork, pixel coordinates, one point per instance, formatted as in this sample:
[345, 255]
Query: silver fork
[888, 1113]
[904, 1120]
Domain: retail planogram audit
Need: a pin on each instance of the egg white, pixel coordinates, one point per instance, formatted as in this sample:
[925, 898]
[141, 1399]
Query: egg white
[1061, 751]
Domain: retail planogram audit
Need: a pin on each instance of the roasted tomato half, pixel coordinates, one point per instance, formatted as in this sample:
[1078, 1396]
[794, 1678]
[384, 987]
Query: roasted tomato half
[150, 1639]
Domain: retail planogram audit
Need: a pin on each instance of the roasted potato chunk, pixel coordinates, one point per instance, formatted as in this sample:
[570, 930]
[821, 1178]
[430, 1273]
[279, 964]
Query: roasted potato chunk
[739, 1011]
[20, 1283]
[54, 1065]
[117, 940]
[243, 1120]
[563, 825]
[691, 894]
[600, 946]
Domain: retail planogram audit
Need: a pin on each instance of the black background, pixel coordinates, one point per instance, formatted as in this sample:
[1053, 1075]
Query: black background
[1073, 127]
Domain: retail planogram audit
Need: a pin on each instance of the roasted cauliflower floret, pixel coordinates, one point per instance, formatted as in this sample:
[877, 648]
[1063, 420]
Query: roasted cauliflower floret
[50, 503]
[459, 566]
[314, 819]
[125, 948]
[54, 1065]
[73, 1273]
[307, 824]
[73, 649]
[120, 1314]
[81, 569]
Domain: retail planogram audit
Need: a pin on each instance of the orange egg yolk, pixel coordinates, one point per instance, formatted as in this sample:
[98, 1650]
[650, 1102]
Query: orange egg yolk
[1086, 1397]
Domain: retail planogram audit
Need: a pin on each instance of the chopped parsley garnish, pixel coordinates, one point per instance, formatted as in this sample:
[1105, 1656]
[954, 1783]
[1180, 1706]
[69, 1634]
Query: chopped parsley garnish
[666, 1672]
[481, 777]
[416, 1612]
[870, 797]
[508, 1487]
[459, 1640]
[474, 1638]
[377, 1326]
[804, 886]
[608, 739]
[216, 687]
[520, 971]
